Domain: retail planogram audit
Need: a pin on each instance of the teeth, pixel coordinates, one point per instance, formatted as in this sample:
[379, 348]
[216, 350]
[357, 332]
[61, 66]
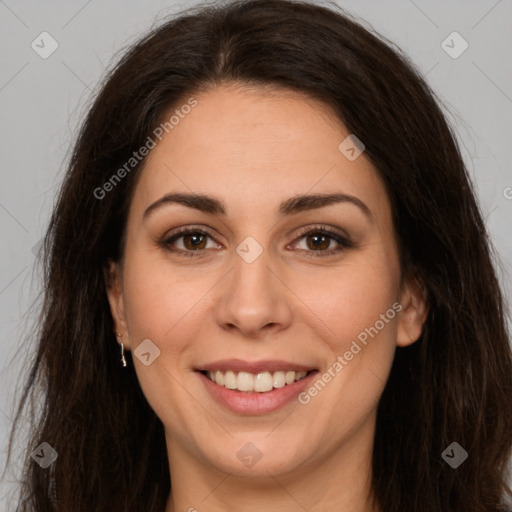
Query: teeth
[289, 377]
[245, 381]
[261, 383]
[279, 379]
[219, 378]
[229, 380]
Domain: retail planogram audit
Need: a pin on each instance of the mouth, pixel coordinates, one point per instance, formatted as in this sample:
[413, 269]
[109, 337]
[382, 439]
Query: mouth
[248, 394]
[261, 382]
[254, 387]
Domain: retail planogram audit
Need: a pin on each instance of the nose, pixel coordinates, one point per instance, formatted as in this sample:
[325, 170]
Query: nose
[254, 300]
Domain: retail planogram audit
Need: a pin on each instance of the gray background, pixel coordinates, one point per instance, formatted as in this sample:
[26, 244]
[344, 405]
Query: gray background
[43, 100]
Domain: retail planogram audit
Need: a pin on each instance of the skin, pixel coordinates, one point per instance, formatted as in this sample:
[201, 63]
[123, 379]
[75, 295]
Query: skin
[253, 149]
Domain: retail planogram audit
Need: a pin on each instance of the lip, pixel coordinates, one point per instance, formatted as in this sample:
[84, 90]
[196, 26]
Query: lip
[238, 365]
[255, 403]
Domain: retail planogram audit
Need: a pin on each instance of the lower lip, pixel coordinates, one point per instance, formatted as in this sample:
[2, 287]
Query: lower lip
[251, 403]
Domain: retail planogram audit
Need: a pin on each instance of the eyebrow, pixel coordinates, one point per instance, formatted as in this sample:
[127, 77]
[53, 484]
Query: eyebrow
[293, 205]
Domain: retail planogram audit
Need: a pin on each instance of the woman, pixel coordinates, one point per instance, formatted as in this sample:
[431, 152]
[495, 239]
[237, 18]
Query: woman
[269, 214]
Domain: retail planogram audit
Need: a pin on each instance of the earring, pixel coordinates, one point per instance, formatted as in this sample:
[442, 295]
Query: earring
[123, 359]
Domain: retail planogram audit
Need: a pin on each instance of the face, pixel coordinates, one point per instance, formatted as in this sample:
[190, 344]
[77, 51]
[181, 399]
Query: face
[276, 269]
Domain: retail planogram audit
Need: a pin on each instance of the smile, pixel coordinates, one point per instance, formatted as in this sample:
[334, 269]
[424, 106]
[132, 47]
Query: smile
[262, 382]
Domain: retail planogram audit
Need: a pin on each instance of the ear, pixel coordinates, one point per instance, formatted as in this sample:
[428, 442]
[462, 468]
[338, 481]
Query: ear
[413, 315]
[113, 283]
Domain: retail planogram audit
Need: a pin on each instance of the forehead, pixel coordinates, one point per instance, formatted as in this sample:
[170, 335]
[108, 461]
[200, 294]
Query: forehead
[253, 148]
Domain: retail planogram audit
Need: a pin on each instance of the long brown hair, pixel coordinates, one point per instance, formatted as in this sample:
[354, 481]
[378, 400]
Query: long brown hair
[453, 384]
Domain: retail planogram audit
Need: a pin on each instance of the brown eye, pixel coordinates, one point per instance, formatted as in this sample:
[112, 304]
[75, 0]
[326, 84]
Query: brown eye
[189, 242]
[322, 242]
[194, 241]
[318, 242]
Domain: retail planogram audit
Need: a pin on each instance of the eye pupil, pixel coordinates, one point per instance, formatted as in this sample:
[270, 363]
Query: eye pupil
[319, 242]
[195, 239]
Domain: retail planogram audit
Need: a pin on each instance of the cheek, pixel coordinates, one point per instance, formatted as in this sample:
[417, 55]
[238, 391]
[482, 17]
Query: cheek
[162, 307]
[357, 320]
[160, 301]
[352, 297]
[358, 310]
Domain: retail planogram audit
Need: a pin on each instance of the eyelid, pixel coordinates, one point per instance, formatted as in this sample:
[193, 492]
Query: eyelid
[322, 228]
[342, 238]
[178, 233]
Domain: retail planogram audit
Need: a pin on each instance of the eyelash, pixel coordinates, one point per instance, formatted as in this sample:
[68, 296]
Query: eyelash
[343, 241]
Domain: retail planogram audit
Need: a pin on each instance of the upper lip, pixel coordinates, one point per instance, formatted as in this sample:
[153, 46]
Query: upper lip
[238, 365]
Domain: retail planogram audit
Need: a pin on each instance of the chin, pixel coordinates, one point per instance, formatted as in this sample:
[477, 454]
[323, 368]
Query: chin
[256, 454]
